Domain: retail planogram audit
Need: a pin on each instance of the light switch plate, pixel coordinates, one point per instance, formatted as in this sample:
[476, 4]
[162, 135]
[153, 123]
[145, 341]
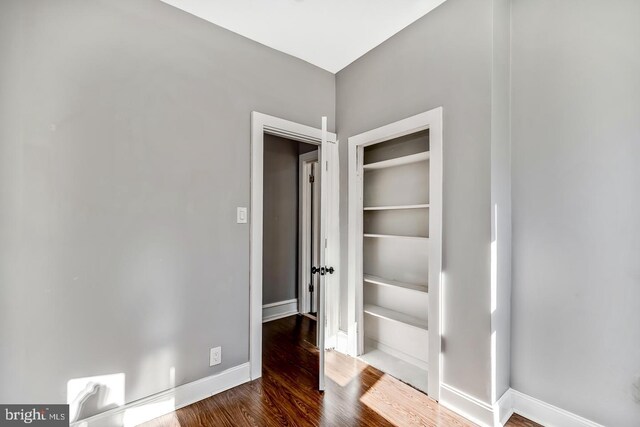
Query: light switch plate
[241, 217]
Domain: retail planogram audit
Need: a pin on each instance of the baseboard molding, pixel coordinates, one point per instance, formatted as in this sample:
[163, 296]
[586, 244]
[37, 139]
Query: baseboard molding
[512, 401]
[278, 310]
[503, 409]
[468, 406]
[165, 402]
[544, 413]
[342, 344]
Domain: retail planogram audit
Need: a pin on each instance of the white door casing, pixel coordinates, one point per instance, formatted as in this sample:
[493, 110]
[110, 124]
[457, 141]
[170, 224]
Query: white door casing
[308, 230]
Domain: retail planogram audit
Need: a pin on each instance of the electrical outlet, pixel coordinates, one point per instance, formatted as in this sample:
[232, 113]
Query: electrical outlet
[215, 356]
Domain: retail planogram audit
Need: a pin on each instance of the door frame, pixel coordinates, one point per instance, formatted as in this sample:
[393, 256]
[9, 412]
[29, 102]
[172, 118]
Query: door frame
[261, 124]
[431, 120]
[305, 227]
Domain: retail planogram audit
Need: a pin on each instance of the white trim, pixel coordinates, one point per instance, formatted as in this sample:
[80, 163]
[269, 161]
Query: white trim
[503, 409]
[355, 313]
[165, 402]
[261, 124]
[278, 310]
[342, 344]
[305, 227]
[321, 324]
[512, 401]
[468, 406]
[546, 414]
[431, 120]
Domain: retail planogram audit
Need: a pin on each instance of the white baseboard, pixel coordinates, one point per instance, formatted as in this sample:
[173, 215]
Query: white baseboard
[468, 406]
[278, 310]
[544, 413]
[512, 401]
[165, 402]
[503, 409]
[342, 344]
[337, 342]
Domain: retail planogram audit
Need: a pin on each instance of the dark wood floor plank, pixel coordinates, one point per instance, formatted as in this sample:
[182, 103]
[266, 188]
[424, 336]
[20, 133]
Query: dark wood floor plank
[356, 394]
[520, 421]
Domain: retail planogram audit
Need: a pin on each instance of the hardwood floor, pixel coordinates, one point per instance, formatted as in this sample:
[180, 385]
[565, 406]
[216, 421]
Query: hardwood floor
[520, 421]
[286, 395]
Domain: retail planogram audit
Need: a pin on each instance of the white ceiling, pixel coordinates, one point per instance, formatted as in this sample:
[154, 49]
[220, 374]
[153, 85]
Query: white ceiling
[328, 33]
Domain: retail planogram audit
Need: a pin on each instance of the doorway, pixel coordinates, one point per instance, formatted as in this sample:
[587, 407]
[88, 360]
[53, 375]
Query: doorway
[263, 126]
[308, 232]
[287, 228]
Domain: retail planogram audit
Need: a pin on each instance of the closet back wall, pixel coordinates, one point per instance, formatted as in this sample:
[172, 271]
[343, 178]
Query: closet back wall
[124, 152]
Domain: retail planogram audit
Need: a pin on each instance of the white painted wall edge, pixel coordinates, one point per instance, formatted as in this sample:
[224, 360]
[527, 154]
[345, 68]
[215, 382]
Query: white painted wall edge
[278, 310]
[167, 401]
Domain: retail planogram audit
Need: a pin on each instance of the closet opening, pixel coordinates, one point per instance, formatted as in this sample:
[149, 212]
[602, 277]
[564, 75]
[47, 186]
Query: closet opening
[395, 257]
[396, 183]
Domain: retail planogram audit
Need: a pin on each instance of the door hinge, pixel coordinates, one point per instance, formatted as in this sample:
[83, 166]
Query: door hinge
[312, 178]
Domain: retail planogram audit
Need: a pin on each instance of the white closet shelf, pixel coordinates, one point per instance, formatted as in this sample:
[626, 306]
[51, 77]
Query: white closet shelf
[393, 208]
[394, 316]
[368, 278]
[394, 236]
[398, 161]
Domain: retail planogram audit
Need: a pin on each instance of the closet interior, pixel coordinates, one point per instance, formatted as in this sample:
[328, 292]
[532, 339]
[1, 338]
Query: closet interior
[395, 257]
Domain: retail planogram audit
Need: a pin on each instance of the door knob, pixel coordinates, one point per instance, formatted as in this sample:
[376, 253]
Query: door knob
[322, 270]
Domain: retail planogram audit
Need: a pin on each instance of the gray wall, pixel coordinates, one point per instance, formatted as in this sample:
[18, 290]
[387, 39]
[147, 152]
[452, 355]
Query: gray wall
[443, 59]
[501, 235]
[124, 152]
[576, 205]
[280, 216]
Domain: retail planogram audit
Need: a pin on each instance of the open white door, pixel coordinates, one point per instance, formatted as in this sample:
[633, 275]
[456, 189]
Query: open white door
[328, 291]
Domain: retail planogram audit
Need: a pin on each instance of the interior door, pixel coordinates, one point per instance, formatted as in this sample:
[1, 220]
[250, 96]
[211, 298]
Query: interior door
[327, 326]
